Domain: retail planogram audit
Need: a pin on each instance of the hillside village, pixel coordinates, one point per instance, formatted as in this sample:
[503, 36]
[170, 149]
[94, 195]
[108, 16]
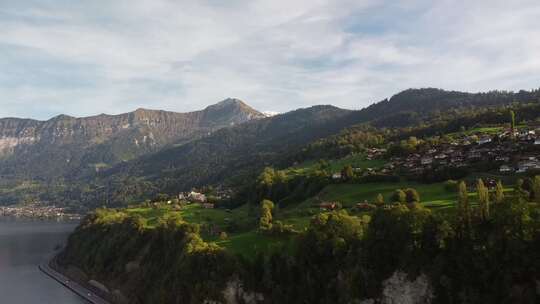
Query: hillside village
[505, 152]
[510, 152]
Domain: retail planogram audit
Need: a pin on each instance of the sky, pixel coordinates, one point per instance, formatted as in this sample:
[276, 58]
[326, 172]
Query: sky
[112, 56]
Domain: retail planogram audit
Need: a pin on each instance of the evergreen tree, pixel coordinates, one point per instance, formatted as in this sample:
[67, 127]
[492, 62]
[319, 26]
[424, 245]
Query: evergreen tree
[513, 122]
[499, 192]
[463, 205]
[483, 198]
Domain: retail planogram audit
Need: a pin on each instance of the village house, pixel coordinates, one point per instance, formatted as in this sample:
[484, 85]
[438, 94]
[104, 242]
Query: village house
[197, 197]
[525, 166]
[484, 140]
[207, 205]
[426, 160]
[336, 175]
[505, 168]
[328, 206]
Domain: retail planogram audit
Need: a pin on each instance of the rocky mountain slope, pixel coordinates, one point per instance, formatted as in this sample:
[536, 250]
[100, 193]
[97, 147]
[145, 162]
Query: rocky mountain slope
[67, 146]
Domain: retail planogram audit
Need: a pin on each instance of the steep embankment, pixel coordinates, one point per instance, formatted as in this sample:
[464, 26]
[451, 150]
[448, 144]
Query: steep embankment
[398, 253]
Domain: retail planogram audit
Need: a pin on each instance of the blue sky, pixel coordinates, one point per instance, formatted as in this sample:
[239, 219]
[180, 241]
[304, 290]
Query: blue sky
[112, 56]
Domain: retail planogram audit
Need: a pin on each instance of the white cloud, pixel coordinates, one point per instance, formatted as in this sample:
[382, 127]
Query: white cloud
[84, 58]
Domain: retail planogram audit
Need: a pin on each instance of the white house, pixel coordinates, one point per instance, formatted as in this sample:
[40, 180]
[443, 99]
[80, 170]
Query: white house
[336, 175]
[505, 168]
[484, 140]
[197, 197]
[426, 160]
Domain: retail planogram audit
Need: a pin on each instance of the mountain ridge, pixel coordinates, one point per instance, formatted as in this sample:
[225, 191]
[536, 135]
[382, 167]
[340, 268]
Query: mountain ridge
[221, 148]
[53, 145]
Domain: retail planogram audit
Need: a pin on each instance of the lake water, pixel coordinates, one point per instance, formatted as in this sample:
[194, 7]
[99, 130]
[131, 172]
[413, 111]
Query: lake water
[24, 244]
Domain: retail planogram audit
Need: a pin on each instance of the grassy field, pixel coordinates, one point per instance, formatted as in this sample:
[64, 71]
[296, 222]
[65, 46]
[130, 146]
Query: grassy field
[248, 241]
[356, 161]
[251, 242]
[432, 195]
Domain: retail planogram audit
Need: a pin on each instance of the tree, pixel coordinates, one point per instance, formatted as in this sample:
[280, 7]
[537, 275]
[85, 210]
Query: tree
[265, 220]
[399, 196]
[499, 192]
[513, 121]
[521, 191]
[412, 195]
[483, 198]
[536, 188]
[463, 205]
[379, 200]
[347, 173]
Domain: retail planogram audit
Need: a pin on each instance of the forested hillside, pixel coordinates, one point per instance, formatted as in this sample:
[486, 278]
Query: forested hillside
[234, 154]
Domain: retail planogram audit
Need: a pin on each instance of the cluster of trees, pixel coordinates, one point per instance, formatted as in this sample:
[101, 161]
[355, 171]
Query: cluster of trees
[406, 196]
[281, 188]
[356, 139]
[529, 188]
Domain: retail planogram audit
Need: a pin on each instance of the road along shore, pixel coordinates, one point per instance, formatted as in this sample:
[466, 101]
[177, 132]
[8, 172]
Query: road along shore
[83, 292]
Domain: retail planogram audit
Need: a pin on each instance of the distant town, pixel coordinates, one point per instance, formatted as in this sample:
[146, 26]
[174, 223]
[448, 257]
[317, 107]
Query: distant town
[38, 210]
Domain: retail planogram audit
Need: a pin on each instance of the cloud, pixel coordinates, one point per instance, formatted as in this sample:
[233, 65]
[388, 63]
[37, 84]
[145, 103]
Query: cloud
[84, 58]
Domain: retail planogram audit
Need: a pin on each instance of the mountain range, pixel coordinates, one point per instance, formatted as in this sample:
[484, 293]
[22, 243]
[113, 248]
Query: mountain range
[66, 146]
[111, 159]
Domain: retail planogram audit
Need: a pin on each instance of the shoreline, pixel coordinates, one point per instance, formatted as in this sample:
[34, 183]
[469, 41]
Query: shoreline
[74, 286]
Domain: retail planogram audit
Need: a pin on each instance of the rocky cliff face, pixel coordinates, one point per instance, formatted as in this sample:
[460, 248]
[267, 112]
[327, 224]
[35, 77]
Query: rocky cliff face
[68, 145]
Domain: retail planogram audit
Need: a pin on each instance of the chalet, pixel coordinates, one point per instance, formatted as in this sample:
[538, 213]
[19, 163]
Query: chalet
[197, 197]
[365, 206]
[440, 156]
[502, 158]
[328, 206]
[505, 168]
[474, 155]
[484, 140]
[426, 160]
[525, 166]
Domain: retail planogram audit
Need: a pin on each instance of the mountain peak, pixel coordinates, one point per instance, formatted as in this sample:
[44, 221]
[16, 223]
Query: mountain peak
[230, 111]
[229, 102]
[61, 117]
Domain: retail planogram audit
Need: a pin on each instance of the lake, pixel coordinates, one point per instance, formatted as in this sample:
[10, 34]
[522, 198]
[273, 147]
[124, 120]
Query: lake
[24, 244]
